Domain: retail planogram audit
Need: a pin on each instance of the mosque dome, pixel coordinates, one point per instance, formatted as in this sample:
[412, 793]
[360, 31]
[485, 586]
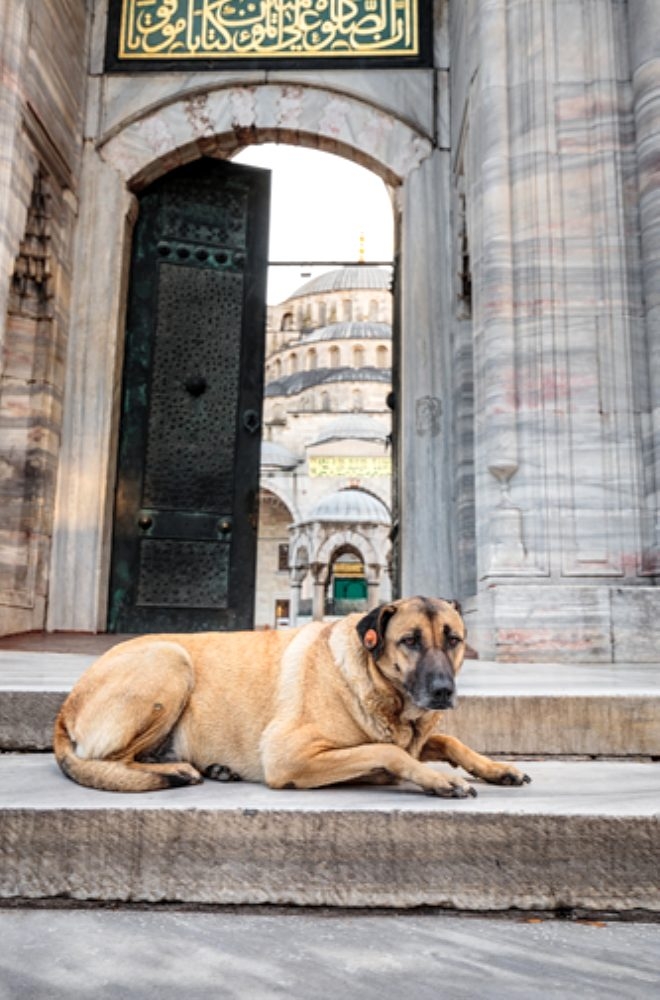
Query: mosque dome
[276, 456]
[351, 505]
[349, 330]
[353, 427]
[291, 385]
[346, 279]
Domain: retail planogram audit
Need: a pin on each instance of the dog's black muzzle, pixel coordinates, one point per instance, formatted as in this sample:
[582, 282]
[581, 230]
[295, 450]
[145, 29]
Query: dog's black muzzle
[431, 685]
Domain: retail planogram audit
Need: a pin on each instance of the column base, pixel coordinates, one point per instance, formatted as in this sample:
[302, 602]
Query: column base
[584, 624]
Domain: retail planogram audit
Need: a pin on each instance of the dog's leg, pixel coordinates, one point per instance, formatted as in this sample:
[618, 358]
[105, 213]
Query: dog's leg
[109, 730]
[307, 763]
[448, 748]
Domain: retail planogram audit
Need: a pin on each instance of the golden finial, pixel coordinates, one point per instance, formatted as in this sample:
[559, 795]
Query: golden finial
[361, 250]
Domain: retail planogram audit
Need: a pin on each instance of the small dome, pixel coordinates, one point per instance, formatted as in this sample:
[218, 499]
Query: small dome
[276, 456]
[362, 330]
[351, 426]
[351, 505]
[345, 279]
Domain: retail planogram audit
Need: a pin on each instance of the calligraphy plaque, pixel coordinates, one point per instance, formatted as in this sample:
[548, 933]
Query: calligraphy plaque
[212, 34]
[362, 467]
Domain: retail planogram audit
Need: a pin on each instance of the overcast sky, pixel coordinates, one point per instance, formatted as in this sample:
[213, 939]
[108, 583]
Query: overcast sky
[320, 204]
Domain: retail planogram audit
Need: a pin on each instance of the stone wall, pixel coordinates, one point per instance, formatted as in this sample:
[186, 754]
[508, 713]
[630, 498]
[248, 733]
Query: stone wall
[41, 100]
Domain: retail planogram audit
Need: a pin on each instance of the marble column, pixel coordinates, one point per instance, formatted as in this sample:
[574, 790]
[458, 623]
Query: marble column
[558, 443]
[83, 508]
[319, 571]
[426, 446]
[644, 34]
[296, 578]
[13, 52]
[500, 544]
[373, 587]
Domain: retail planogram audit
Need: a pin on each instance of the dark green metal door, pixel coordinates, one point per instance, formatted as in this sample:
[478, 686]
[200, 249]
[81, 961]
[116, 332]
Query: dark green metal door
[185, 528]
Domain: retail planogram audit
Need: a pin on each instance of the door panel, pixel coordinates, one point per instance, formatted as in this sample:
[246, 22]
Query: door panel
[184, 544]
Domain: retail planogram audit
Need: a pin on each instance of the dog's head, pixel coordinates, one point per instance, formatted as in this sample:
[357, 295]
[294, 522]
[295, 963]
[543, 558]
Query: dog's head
[418, 645]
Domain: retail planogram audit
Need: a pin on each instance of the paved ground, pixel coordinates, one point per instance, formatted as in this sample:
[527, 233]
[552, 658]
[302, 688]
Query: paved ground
[305, 955]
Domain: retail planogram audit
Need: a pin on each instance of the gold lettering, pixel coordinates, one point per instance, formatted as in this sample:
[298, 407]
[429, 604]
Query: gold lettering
[189, 29]
[347, 467]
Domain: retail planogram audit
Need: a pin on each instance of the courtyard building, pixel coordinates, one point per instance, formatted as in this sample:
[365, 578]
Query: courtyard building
[325, 504]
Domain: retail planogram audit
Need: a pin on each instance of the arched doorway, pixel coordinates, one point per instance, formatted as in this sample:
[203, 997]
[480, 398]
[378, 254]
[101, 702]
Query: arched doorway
[348, 586]
[149, 142]
[315, 441]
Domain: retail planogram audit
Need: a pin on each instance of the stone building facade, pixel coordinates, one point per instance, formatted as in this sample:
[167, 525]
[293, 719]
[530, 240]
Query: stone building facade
[325, 510]
[523, 165]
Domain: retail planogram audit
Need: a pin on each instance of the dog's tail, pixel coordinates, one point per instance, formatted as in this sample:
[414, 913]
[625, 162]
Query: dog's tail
[116, 775]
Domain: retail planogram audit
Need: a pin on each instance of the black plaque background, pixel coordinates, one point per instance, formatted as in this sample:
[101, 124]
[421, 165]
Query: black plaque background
[113, 64]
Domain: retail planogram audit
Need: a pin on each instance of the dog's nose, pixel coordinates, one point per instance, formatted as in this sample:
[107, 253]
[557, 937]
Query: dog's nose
[441, 691]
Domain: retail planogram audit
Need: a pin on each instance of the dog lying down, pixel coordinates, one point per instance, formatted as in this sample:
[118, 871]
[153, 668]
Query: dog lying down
[355, 700]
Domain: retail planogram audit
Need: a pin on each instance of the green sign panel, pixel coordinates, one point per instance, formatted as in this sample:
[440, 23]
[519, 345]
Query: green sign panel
[253, 31]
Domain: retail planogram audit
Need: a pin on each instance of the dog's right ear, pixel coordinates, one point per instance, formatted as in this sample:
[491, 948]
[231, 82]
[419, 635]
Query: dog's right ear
[371, 628]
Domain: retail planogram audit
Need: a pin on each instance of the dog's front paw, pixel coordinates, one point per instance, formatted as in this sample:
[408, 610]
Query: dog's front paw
[452, 788]
[220, 772]
[181, 774]
[507, 774]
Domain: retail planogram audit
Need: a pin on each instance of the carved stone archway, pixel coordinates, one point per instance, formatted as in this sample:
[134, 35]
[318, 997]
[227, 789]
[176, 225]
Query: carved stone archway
[220, 122]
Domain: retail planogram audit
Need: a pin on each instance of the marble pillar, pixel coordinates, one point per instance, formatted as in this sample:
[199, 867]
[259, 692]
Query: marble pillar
[558, 360]
[296, 578]
[13, 209]
[644, 29]
[83, 508]
[426, 438]
[373, 587]
[319, 572]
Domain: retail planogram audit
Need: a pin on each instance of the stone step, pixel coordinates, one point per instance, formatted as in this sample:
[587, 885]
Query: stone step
[505, 709]
[583, 835]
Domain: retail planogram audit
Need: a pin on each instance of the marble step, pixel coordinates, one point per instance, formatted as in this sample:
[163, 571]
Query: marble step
[550, 709]
[583, 835]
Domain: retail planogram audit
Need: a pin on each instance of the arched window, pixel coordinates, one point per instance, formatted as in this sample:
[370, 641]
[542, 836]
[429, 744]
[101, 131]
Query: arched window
[347, 309]
[311, 359]
[382, 357]
[325, 402]
[335, 357]
[323, 313]
[358, 356]
[373, 310]
[293, 364]
[287, 322]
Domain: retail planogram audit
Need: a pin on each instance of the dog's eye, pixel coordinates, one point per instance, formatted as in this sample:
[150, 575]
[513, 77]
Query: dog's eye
[453, 641]
[410, 641]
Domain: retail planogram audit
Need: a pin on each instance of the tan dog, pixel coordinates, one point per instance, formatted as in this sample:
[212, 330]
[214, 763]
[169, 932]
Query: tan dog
[356, 700]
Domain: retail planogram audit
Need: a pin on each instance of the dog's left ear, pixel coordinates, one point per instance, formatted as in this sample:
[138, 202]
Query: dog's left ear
[454, 604]
[371, 628]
